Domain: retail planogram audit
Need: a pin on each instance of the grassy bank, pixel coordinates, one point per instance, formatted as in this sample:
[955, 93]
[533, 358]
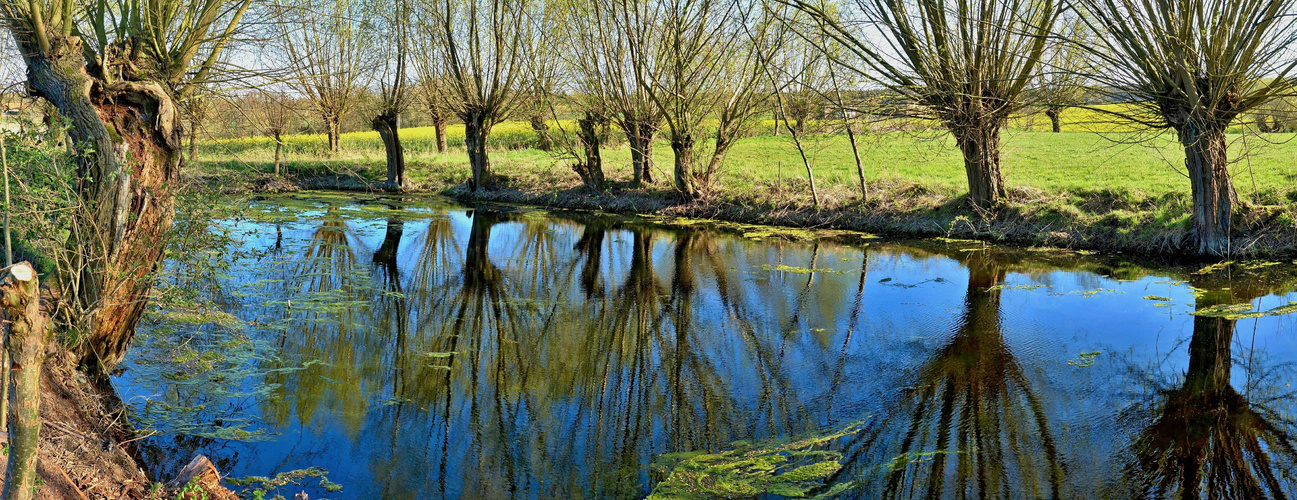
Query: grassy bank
[1115, 191]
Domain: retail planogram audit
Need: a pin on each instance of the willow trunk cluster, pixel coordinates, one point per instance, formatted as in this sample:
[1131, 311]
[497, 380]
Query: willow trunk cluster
[131, 156]
[1195, 68]
[967, 65]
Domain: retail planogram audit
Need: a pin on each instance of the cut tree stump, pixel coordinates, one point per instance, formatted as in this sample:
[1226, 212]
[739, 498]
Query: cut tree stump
[202, 474]
[28, 334]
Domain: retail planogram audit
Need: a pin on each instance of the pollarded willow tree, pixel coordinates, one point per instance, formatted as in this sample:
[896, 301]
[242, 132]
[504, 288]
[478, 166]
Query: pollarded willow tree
[694, 62]
[543, 72]
[327, 50]
[116, 70]
[482, 45]
[1194, 66]
[273, 114]
[394, 92]
[1062, 81]
[598, 51]
[431, 89]
[967, 65]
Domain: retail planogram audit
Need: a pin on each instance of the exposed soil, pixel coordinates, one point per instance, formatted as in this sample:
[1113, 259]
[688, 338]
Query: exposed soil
[87, 447]
[85, 444]
[1098, 221]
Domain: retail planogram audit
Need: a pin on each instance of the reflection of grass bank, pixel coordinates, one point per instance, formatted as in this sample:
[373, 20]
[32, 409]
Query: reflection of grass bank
[1076, 190]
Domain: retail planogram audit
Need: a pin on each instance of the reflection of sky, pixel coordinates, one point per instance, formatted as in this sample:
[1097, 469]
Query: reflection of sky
[780, 351]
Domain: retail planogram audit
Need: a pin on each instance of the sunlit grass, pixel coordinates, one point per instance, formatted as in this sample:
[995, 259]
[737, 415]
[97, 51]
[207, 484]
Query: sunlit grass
[1093, 153]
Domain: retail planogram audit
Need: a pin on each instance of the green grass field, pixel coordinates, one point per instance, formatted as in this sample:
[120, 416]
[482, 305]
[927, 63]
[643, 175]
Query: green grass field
[1073, 161]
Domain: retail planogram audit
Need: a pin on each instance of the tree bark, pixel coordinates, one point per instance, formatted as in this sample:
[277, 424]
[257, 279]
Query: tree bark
[543, 141]
[124, 180]
[683, 147]
[1055, 121]
[333, 128]
[476, 131]
[279, 148]
[439, 127]
[388, 126]
[28, 333]
[591, 168]
[640, 137]
[1213, 191]
[980, 146]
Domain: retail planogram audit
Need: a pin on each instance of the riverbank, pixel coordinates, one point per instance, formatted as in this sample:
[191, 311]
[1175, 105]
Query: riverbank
[88, 449]
[1109, 221]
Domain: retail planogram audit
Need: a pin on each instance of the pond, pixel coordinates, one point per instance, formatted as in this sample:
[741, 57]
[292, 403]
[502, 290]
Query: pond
[415, 348]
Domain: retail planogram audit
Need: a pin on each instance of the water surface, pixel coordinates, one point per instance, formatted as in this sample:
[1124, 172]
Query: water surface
[414, 348]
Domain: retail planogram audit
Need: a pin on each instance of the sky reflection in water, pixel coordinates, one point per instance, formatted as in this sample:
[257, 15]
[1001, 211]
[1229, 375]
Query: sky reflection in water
[418, 349]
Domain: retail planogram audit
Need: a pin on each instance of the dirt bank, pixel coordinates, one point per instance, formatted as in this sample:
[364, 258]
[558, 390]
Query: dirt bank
[87, 446]
[1098, 221]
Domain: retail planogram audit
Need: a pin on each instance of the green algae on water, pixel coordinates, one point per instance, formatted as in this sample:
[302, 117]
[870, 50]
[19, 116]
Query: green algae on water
[793, 469]
[1084, 360]
[1003, 286]
[1243, 311]
[798, 270]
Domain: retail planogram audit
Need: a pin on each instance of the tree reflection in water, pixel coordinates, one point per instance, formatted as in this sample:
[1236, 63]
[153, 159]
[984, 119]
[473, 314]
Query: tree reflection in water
[1204, 439]
[497, 354]
[972, 424]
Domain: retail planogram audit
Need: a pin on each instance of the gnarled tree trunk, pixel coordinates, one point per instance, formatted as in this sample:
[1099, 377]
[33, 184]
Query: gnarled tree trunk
[439, 127]
[683, 147]
[388, 126]
[543, 141]
[1055, 118]
[1213, 191]
[639, 135]
[125, 179]
[980, 145]
[591, 168]
[476, 130]
[333, 129]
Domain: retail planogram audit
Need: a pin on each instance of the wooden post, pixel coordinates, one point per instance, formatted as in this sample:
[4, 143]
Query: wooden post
[20, 300]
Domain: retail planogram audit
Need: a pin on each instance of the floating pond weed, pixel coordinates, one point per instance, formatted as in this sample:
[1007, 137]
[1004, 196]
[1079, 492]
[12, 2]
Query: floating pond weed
[1084, 360]
[792, 469]
[1243, 311]
[260, 486]
[798, 270]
